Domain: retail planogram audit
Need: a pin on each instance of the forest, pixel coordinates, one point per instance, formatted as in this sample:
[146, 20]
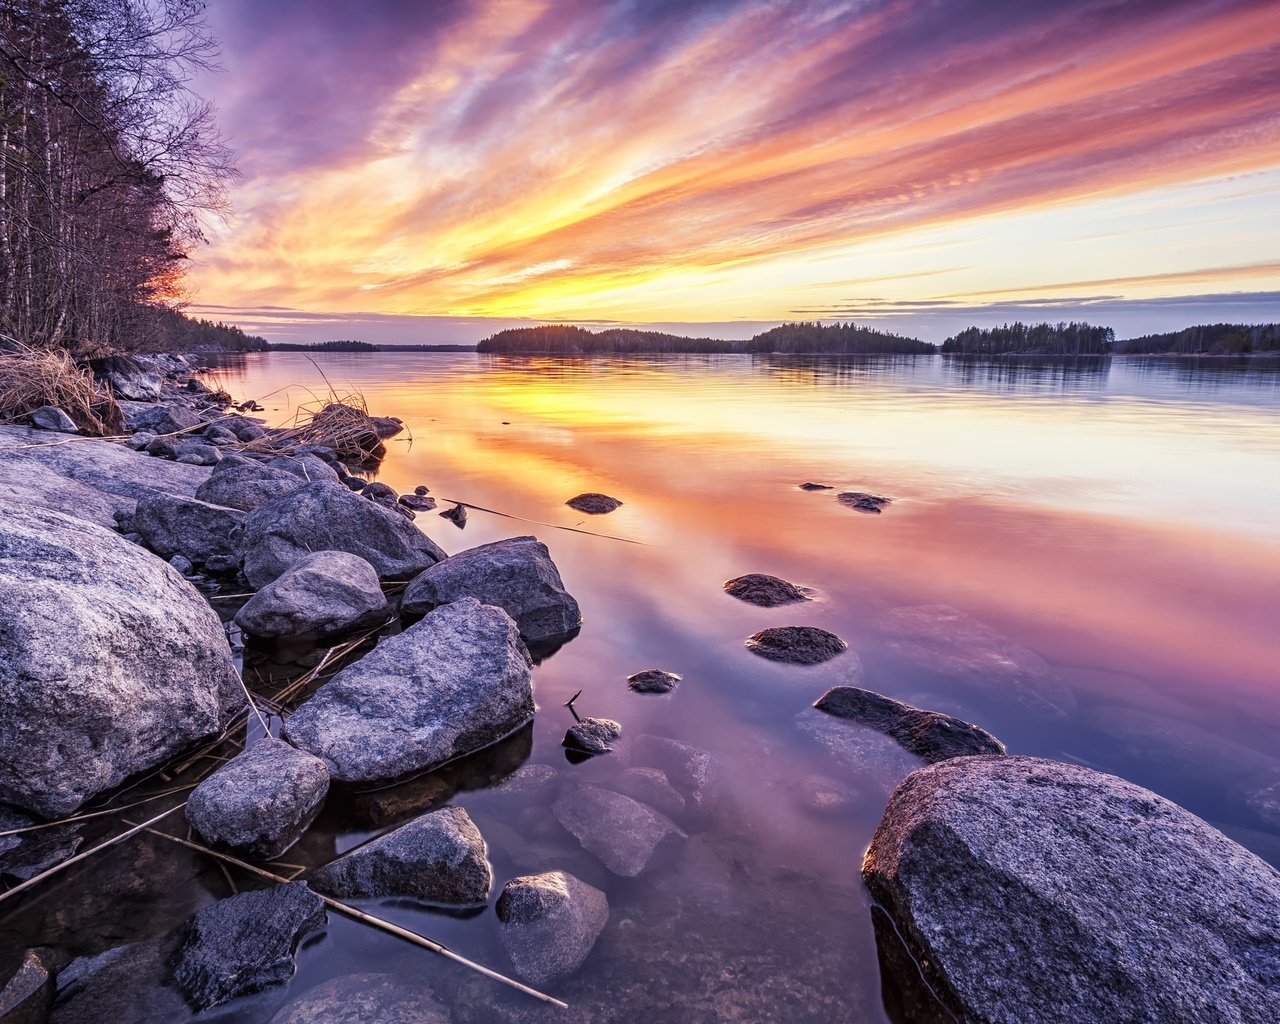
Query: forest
[1207, 339]
[837, 338]
[1061, 339]
[108, 164]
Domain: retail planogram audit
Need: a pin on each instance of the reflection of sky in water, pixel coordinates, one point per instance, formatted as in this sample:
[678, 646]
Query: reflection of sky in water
[1115, 519]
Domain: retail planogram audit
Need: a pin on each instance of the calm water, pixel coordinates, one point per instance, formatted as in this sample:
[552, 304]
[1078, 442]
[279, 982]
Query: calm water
[1105, 532]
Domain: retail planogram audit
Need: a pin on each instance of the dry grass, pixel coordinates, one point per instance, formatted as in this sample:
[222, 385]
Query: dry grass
[31, 378]
[340, 422]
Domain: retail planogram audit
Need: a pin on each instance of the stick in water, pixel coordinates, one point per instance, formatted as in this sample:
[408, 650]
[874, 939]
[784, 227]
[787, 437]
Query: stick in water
[369, 919]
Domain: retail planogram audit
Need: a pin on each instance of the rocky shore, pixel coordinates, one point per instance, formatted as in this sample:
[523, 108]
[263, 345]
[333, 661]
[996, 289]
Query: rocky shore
[1006, 889]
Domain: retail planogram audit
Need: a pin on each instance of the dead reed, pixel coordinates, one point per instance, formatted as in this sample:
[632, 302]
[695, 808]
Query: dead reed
[31, 378]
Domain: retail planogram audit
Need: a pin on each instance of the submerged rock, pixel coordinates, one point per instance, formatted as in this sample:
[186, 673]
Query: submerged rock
[594, 504]
[456, 515]
[796, 645]
[764, 590]
[321, 517]
[690, 769]
[866, 753]
[930, 735]
[110, 662]
[27, 997]
[860, 501]
[622, 833]
[171, 525]
[246, 484]
[451, 684]
[952, 643]
[1031, 892]
[244, 944]
[592, 735]
[440, 857]
[516, 575]
[366, 999]
[25, 855]
[650, 786]
[323, 596]
[259, 803]
[50, 417]
[550, 922]
[653, 680]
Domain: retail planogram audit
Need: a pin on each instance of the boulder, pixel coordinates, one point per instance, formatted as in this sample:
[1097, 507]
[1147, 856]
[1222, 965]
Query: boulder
[623, 833]
[25, 855]
[867, 754]
[127, 983]
[110, 662]
[160, 419]
[690, 769]
[1030, 891]
[592, 735]
[50, 417]
[440, 857]
[259, 803]
[593, 503]
[930, 735]
[451, 684]
[550, 922]
[27, 997]
[183, 448]
[306, 467]
[796, 645]
[366, 999]
[516, 575]
[246, 484]
[653, 680]
[244, 944]
[129, 378]
[386, 426]
[324, 595]
[418, 502]
[859, 501]
[761, 589]
[171, 525]
[321, 517]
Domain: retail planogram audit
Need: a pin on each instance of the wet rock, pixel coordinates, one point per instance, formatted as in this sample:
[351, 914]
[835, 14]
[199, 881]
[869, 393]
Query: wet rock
[622, 833]
[533, 782]
[50, 417]
[418, 502]
[321, 517]
[766, 591]
[186, 450]
[650, 786]
[127, 983]
[258, 804]
[160, 419]
[386, 426]
[170, 525]
[440, 857]
[381, 494]
[244, 944]
[451, 684]
[421, 490]
[1265, 802]
[860, 501]
[815, 487]
[796, 645]
[25, 855]
[550, 922]
[594, 504]
[456, 515]
[952, 643]
[366, 999]
[324, 595]
[927, 734]
[110, 662]
[516, 575]
[822, 795]
[1031, 891]
[354, 483]
[690, 769]
[866, 753]
[245, 484]
[592, 735]
[653, 680]
[27, 997]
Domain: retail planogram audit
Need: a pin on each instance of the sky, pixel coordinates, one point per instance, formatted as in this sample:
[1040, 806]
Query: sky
[435, 170]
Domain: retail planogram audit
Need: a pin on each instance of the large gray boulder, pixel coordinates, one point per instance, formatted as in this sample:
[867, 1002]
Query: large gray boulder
[160, 419]
[451, 684]
[110, 662]
[930, 735]
[259, 803]
[129, 378]
[322, 517]
[246, 484]
[1031, 892]
[324, 595]
[172, 525]
[549, 924]
[517, 575]
[440, 857]
[623, 833]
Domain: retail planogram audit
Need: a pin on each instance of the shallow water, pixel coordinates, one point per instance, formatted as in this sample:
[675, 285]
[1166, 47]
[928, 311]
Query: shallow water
[1107, 528]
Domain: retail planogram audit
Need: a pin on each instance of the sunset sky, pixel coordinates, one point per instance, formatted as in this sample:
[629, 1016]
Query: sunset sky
[434, 170]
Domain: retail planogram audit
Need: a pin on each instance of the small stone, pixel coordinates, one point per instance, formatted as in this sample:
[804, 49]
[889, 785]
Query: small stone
[456, 515]
[381, 493]
[27, 997]
[182, 564]
[421, 490]
[653, 680]
[550, 922]
[860, 501]
[50, 417]
[766, 591]
[796, 645]
[930, 735]
[592, 735]
[815, 487]
[417, 502]
[354, 483]
[594, 504]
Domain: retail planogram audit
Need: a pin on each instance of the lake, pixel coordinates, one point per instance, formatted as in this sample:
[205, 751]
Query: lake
[1083, 558]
